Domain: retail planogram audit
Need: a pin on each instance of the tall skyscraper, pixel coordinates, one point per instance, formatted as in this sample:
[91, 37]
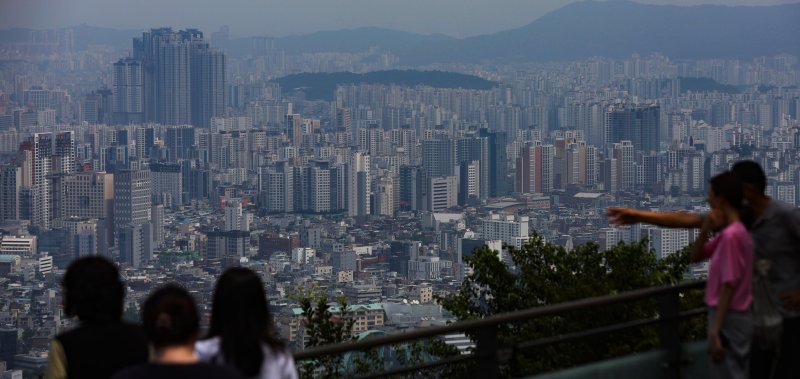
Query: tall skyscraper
[319, 187]
[166, 183]
[610, 175]
[470, 182]
[412, 187]
[437, 156]
[235, 217]
[42, 148]
[498, 160]
[179, 141]
[372, 140]
[344, 121]
[132, 196]
[294, 129]
[132, 216]
[473, 157]
[534, 171]
[64, 153]
[592, 166]
[442, 193]
[172, 78]
[90, 195]
[639, 124]
[51, 155]
[10, 188]
[207, 84]
[84, 239]
[183, 78]
[626, 170]
[135, 243]
[404, 143]
[145, 142]
[128, 89]
[359, 186]
[277, 187]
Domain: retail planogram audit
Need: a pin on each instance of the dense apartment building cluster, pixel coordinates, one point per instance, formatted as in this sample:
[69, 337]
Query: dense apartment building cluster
[185, 165]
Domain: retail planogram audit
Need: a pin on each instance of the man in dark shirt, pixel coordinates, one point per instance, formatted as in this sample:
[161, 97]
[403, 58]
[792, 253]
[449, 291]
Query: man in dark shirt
[102, 344]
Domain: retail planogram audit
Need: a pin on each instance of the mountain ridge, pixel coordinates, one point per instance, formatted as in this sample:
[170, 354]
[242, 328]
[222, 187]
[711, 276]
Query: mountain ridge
[578, 30]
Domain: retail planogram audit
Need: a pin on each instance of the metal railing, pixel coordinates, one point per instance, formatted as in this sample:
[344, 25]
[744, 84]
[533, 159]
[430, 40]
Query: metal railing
[488, 352]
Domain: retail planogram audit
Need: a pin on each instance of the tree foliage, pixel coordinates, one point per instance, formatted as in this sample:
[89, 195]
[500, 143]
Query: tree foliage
[323, 326]
[322, 85]
[543, 274]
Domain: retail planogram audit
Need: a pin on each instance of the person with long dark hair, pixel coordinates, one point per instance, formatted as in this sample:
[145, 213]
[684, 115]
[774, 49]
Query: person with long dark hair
[171, 324]
[729, 293]
[241, 332]
[102, 344]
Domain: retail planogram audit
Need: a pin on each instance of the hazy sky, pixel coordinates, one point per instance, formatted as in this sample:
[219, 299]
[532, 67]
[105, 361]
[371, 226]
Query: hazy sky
[281, 17]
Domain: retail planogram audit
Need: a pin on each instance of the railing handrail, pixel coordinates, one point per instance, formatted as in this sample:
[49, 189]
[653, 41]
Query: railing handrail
[495, 320]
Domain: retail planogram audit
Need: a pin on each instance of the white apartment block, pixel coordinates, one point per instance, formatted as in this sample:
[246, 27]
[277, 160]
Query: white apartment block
[512, 230]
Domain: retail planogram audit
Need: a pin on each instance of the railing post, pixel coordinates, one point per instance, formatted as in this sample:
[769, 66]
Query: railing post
[668, 311]
[486, 350]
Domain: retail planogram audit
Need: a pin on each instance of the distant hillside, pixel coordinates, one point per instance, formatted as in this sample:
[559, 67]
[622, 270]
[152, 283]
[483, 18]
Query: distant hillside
[585, 29]
[620, 28]
[705, 84]
[321, 86]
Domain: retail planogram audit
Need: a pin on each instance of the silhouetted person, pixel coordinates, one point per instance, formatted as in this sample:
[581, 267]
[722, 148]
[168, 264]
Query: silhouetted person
[729, 293]
[170, 321]
[241, 332]
[102, 344]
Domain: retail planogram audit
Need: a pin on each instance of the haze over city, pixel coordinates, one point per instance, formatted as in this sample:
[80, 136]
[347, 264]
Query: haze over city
[276, 18]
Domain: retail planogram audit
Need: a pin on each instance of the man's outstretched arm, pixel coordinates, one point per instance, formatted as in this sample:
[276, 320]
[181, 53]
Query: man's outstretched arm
[627, 216]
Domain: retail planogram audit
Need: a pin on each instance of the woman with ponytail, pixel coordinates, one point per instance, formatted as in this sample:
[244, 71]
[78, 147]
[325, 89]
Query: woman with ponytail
[241, 333]
[729, 293]
[171, 324]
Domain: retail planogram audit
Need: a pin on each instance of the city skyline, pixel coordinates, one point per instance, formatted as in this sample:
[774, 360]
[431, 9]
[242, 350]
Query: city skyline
[427, 180]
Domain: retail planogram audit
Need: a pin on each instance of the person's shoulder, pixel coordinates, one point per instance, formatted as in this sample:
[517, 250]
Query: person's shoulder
[784, 213]
[278, 361]
[275, 349]
[734, 227]
[780, 208]
[736, 230]
[207, 348]
[80, 331]
[781, 205]
[278, 354]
